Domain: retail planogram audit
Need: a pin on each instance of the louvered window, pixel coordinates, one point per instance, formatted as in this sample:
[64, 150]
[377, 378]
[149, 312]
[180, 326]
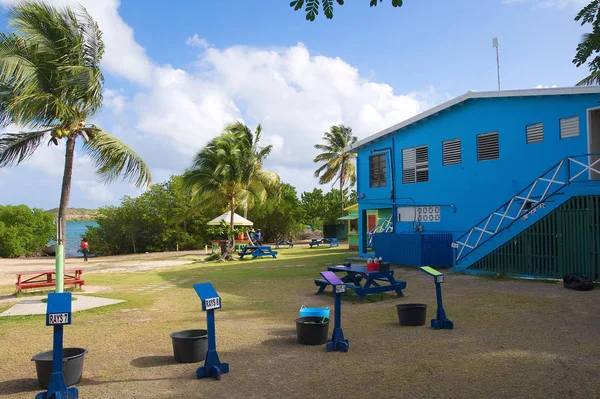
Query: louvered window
[569, 127]
[415, 165]
[488, 146]
[377, 170]
[451, 152]
[535, 133]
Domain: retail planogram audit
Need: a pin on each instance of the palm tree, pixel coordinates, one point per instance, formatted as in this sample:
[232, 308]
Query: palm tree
[338, 164]
[253, 153]
[51, 85]
[229, 169]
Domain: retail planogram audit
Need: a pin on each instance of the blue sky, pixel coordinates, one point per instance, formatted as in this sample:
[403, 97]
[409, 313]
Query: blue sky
[177, 73]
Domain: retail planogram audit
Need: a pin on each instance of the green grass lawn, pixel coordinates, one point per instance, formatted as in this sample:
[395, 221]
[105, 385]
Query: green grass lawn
[512, 339]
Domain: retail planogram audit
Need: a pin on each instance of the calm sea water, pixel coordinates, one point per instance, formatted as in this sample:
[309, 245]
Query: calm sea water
[74, 232]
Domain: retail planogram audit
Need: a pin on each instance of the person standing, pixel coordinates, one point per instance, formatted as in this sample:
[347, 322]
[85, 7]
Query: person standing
[84, 249]
[259, 237]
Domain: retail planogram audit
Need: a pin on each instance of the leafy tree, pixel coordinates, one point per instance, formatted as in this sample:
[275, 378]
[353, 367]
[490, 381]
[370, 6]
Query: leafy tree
[319, 208]
[158, 220]
[338, 164]
[24, 231]
[51, 84]
[228, 171]
[280, 216]
[311, 7]
[590, 43]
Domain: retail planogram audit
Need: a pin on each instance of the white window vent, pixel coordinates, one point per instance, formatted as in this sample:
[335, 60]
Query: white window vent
[415, 165]
[535, 133]
[488, 146]
[451, 152]
[569, 127]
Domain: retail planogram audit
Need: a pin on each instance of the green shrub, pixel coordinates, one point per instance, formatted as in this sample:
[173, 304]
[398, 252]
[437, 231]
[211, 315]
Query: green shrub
[24, 231]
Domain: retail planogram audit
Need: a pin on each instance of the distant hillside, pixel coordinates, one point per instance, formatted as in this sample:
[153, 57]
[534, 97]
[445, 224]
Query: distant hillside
[77, 214]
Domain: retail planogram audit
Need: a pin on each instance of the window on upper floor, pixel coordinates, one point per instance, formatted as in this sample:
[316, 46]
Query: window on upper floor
[488, 146]
[534, 133]
[377, 170]
[569, 127]
[415, 164]
[451, 152]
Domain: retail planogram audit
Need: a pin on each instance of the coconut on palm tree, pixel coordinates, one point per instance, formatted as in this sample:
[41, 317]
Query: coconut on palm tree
[229, 170]
[51, 86]
[337, 163]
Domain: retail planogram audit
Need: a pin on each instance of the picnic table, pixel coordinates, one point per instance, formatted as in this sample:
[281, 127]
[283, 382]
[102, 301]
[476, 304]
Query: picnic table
[289, 243]
[256, 251]
[46, 278]
[333, 242]
[374, 282]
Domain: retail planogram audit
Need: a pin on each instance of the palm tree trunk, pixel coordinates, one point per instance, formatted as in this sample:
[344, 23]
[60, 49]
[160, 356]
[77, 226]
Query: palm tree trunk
[229, 255]
[62, 214]
[342, 187]
[66, 190]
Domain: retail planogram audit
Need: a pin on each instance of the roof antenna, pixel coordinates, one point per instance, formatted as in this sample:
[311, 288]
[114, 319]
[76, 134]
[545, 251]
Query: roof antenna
[495, 44]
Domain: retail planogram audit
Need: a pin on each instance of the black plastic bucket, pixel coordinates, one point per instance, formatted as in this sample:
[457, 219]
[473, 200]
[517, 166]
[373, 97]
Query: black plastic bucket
[72, 366]
[190, 346]
[312, 330]
[412, 314]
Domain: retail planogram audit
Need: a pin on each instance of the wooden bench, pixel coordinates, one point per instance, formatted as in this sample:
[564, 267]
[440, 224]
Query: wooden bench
[46, 278]
[322, 284]
[257, 251]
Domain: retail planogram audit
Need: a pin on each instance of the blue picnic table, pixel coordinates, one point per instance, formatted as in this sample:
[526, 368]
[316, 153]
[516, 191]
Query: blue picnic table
[374, 282]
[256, 251]
[289, 243]
[333, 242]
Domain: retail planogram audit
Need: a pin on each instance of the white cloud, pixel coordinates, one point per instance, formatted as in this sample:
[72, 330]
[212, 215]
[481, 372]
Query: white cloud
[196, 41]
[124, 56]
[295, 95]
[560, 4]
[114, 100]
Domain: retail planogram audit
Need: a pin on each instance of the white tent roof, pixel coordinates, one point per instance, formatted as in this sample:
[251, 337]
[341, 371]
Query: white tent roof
[237, 220]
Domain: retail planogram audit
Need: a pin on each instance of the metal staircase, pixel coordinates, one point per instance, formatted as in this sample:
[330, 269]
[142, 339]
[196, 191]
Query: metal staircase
[384, 226]
[568, 171]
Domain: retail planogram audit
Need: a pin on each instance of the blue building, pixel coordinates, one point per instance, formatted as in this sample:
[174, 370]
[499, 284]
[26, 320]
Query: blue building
[455, 185]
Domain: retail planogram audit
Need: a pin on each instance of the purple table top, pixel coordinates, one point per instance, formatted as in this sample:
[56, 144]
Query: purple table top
[332, 278]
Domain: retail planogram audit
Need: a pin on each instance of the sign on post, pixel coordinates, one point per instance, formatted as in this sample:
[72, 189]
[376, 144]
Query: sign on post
[209, 297]
[58, 310]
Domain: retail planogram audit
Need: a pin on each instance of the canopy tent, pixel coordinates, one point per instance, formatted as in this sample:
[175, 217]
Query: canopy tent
[237, 220]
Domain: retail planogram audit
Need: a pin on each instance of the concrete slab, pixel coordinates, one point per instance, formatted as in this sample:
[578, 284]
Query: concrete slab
[34, 305]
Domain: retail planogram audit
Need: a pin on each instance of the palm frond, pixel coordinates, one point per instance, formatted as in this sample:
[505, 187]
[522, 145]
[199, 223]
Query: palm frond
[18, 147]
[115, 159]
[590, 80]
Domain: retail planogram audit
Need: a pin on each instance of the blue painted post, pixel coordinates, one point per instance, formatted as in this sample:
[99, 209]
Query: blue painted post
[441, 321]
[210, 302]
[337, 341]
[58, 313]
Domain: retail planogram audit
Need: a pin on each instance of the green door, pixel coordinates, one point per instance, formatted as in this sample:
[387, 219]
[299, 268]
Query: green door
[575, 242]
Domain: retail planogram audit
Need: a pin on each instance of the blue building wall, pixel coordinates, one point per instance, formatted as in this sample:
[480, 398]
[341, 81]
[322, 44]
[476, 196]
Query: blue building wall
[468, 192]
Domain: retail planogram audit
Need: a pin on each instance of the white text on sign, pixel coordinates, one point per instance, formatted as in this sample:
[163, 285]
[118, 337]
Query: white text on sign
[58, 318]
[212, 303]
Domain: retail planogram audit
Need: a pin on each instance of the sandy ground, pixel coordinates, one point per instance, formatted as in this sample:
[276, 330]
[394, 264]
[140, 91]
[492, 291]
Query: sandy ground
[512, 339]
[9, 268]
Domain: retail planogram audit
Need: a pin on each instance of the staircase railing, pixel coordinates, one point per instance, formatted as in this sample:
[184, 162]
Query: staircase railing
[567, 171]
[385, 226]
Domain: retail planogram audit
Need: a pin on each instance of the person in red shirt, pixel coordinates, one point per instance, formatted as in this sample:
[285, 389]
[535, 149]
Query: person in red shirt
[84, 249]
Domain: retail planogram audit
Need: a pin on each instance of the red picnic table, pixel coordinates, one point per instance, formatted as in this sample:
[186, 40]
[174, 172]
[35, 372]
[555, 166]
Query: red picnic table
[47, 279]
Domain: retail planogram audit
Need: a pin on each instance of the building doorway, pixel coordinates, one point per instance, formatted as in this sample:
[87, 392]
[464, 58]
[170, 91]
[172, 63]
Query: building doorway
[594, 140]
